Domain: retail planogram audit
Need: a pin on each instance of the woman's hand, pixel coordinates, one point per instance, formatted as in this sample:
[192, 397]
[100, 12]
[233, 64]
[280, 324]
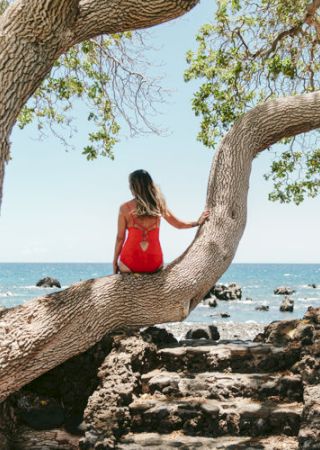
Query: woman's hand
[115, 267]
[204, 216]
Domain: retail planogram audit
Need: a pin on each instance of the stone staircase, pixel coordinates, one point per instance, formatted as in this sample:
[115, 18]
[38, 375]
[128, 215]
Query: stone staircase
[226, 395]
[146, 390]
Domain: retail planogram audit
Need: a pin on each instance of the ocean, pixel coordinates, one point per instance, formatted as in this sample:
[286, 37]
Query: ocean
[18, 280]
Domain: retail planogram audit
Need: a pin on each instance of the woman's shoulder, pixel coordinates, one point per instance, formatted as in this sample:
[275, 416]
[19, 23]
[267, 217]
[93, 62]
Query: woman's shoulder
[128, 206]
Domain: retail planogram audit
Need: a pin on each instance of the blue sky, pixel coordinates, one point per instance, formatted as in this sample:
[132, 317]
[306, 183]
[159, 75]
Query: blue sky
[59, 207]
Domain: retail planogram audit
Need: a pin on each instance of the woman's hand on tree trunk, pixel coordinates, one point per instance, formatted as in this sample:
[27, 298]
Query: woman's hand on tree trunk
[204, 216]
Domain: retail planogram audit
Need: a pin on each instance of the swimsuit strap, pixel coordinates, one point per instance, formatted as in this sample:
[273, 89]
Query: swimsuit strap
[140, 226]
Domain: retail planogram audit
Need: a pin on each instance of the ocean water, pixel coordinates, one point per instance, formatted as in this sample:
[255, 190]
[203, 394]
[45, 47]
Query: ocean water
[18, 280]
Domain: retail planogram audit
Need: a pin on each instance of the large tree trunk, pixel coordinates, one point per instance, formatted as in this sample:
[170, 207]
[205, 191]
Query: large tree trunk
[43, 333]
[33, 34]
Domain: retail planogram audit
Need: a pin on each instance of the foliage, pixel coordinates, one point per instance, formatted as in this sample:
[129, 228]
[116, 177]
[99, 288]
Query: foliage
[110, 75]
[251, 52]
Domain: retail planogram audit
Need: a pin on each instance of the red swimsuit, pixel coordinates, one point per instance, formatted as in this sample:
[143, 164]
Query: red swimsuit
[142, 251]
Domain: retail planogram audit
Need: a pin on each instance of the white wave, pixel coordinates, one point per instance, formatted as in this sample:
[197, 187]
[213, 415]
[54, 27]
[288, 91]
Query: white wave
[249, 302]
[306, 286]
[287, 274]
[6, 294]
[251, 321]
[252, 286]
[39, 287]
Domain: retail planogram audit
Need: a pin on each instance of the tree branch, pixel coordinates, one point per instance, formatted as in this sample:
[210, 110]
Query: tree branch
[113, 16]
[309, 18]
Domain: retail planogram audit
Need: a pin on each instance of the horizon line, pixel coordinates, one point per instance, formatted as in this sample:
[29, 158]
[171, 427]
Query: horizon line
[109, 262]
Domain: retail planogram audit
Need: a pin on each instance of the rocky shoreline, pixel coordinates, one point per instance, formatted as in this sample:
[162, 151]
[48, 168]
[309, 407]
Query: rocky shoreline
[227, 330]
[146, 390]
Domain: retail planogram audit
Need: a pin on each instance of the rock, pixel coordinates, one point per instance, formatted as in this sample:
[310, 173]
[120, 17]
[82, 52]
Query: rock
[313, 315]
[210, 332]
[262, 308]
[282, 332]
[159, 336]
[248, 299]
[49, 282]
[225, 315]
[107, 415]
[283, 291]
[156, 441]
[213, 302]
[167, 383]
[309, 434]
[210, 301]
[308, 367]
[287, 305]
[240, 393]
[313, 285]
[225, 292]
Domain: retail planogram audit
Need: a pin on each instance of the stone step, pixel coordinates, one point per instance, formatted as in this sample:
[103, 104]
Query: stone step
[212, 418]
[219, 385]
[204, 356]
[181, 441]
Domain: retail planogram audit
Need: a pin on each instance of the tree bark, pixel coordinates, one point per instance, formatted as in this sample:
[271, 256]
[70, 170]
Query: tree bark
[44, 332]
[33, 34]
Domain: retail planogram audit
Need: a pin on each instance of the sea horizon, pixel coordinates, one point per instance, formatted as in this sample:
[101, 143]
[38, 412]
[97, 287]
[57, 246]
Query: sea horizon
[166, 262]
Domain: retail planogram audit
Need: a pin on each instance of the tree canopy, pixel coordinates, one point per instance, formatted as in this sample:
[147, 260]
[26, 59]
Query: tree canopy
[252, 52]
[109, 74]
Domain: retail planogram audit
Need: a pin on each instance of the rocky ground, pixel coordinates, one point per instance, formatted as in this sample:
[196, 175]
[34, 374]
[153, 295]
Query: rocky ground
[149, 391]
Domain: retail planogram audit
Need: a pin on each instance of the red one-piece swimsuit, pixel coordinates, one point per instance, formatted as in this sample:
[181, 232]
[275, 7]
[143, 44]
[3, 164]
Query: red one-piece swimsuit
[142, 251]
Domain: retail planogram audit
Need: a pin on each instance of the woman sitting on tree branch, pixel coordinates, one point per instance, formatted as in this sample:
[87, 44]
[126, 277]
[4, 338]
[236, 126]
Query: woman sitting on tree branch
[141, 251]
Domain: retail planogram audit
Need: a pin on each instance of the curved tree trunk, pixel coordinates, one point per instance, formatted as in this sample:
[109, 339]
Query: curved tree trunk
[46, 331]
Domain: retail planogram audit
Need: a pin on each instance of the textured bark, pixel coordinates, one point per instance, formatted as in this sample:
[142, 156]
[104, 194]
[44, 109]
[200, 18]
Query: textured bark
[46, 331]
[33, 34]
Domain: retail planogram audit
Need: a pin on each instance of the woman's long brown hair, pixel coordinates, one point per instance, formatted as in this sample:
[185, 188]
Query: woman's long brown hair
[150, 200]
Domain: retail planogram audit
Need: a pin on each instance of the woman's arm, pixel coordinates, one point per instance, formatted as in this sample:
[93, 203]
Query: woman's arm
[121, 234]
[177, 223]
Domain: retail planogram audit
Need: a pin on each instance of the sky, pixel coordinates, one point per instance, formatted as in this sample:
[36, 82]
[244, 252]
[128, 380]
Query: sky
[59, 207]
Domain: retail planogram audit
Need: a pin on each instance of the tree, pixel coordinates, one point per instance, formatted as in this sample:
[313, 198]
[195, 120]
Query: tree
[44, 332]
[251, 52]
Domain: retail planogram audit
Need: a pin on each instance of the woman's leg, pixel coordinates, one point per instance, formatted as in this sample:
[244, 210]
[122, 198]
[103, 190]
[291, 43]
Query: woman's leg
[123, 268]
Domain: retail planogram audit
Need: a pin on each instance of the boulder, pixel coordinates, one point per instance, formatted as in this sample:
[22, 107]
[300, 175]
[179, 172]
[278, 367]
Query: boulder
[313, 285]
[282, 332]
[159, 336]
[227, 292]
[283, 290]
[309, 433]
[209, 332]
[262, 308]
[213, 302]
[313, 315]
[48, 282]
[287, 305]
[210, 301]
[224, 315]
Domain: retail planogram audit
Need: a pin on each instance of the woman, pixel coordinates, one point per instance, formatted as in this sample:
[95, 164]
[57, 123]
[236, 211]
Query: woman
[141, 251]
